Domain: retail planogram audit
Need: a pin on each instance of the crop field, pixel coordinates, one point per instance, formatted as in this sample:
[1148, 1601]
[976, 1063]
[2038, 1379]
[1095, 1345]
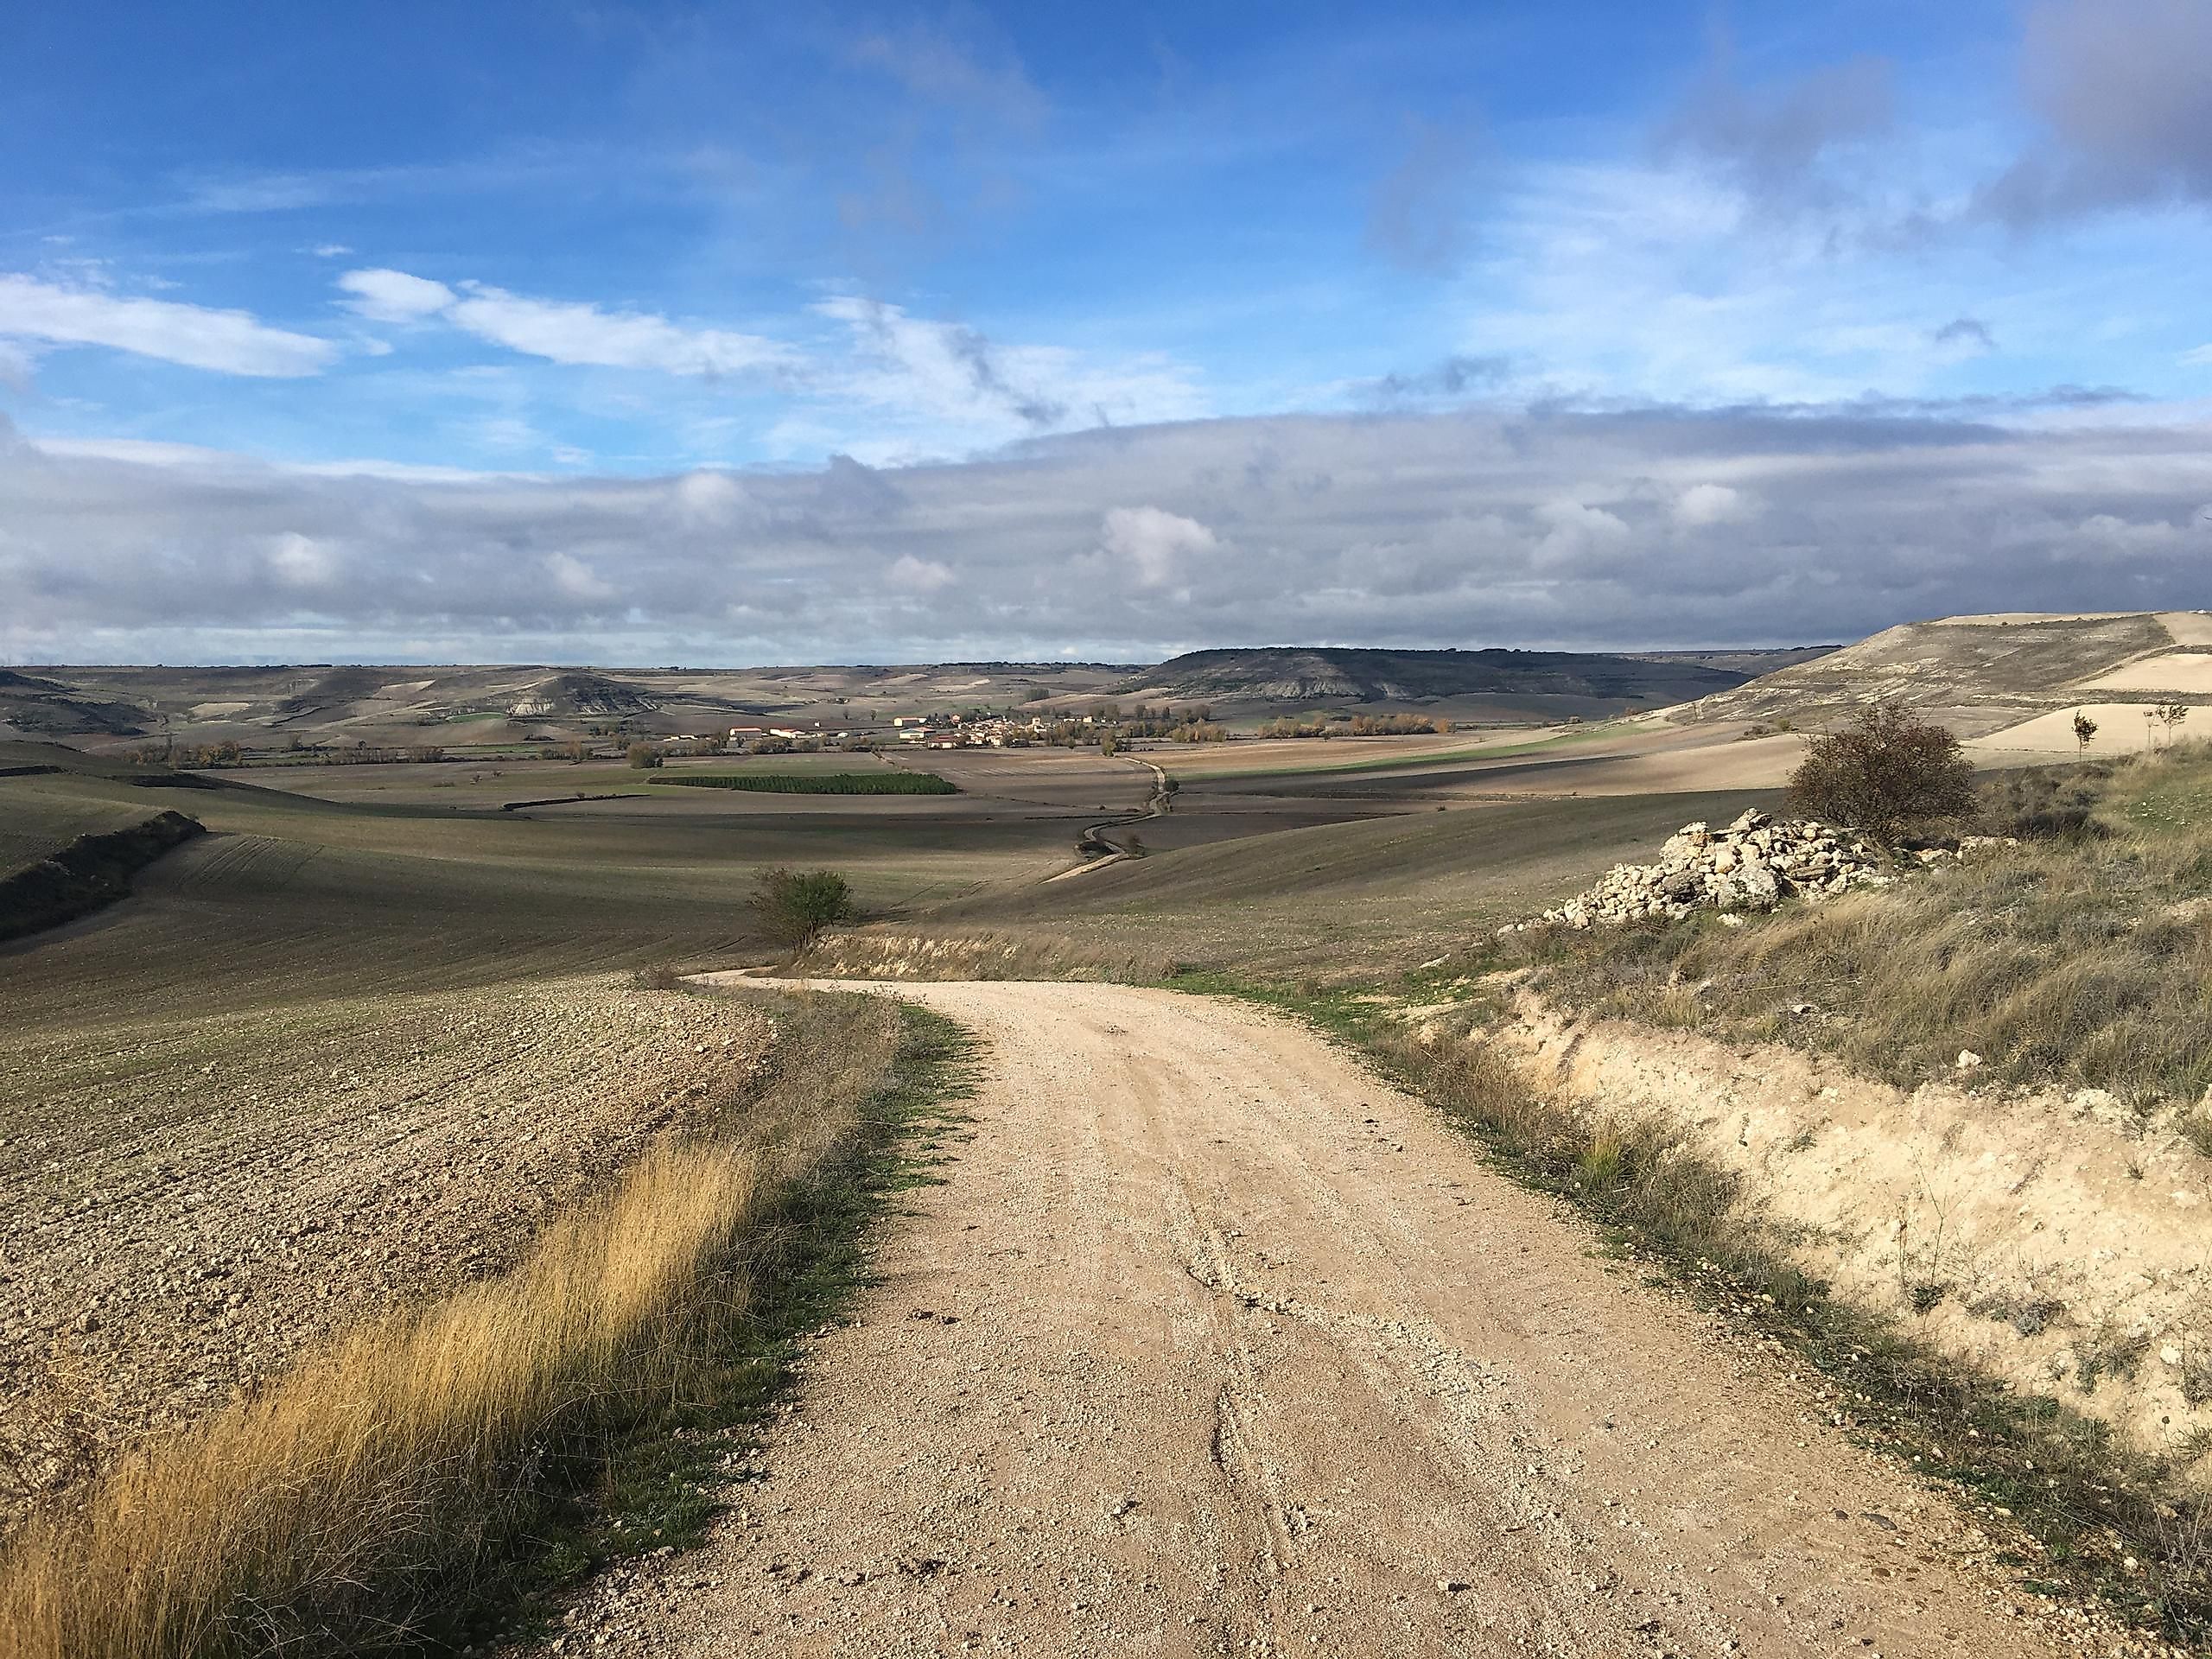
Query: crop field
[819, 782]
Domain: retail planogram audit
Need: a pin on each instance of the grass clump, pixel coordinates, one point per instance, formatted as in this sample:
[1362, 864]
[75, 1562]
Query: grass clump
[388, 1492]
[820, 783]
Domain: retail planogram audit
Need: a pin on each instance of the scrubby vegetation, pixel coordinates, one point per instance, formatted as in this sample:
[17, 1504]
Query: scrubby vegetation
[794, 907]
[1886, 773]
[820, 783]
[89, 872]
[2079, 958]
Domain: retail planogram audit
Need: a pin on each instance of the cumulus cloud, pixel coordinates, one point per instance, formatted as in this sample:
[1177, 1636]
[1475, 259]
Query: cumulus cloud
[916, 575]
[1703, 504]
[1485, 526]
[710, 497]
[301, 562]
[576, 579]
[229, 342]
[1151, 547]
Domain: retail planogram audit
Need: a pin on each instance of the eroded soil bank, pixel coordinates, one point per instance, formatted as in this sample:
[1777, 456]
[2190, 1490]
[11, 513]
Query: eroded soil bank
[2055, 1239]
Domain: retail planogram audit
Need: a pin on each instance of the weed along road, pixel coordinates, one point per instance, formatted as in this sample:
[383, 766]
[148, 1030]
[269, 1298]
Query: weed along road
[1208, 1343]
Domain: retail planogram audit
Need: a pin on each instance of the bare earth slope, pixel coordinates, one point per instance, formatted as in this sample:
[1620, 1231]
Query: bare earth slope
[1977, 674]
[1211, 1344]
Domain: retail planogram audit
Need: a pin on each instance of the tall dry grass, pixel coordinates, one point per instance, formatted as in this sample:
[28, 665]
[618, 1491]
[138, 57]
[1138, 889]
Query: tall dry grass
[2082, 959]
[363, 1495]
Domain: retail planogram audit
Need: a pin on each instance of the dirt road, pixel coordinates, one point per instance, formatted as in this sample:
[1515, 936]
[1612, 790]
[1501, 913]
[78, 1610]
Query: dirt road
[1211, 1344]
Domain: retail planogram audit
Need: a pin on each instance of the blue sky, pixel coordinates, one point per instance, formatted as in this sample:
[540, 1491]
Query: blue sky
[499, 261]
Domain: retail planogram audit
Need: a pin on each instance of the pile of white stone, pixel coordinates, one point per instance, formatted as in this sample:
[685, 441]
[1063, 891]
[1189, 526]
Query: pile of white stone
[1753, 864]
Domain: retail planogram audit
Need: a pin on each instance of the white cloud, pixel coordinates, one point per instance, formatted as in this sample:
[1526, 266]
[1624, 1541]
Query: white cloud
[941, 380]
[1152, 546]
[301, 562]
[562, 332]
[918, 575]
[393, 295]
[1573, 530]
[330, 250]
[576, 578]
[708, 498]
[230, 342]
[2199, 357]
[1710, 503]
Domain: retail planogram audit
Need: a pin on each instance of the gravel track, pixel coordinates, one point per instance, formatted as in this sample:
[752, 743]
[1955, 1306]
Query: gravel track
[1211, 1344]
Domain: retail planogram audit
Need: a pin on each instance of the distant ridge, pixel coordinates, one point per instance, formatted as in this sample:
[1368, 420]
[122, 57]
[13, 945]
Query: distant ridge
[1359, 674]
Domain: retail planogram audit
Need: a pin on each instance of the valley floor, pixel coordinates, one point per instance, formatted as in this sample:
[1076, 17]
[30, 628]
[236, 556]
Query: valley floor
[1212, 1343]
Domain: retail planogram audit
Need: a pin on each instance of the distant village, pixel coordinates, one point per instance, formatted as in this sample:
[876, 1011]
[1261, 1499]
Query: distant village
[1106, 727]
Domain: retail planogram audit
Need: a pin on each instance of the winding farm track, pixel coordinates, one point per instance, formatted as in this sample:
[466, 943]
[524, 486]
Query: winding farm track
[1211, 1344]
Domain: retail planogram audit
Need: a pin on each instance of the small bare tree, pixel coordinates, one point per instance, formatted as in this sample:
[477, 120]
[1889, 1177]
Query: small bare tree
[2084, 729]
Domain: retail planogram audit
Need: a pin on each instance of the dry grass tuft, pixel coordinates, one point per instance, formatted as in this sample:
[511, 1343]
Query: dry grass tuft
[359, 1496]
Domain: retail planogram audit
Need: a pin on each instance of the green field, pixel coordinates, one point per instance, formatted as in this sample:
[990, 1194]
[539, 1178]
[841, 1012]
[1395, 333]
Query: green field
[820, 783]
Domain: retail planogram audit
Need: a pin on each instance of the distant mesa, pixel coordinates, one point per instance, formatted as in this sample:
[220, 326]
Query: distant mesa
[1347, 674]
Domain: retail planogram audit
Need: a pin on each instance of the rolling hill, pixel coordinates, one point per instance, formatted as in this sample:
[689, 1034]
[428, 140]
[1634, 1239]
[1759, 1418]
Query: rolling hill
[1983, 675]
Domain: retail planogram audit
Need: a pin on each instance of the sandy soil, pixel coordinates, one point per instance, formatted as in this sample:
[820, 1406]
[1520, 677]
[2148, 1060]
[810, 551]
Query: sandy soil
[1211, 1344]
[2121, 729]
[2186, 672]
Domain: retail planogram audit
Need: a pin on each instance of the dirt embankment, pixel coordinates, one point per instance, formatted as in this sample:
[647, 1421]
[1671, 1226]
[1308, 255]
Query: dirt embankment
[1211, 1343]
[184, 1209]
[2055, 1239]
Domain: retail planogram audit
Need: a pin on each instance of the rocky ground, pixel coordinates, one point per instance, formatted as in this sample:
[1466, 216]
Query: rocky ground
[187, 1205]
[1753, 864]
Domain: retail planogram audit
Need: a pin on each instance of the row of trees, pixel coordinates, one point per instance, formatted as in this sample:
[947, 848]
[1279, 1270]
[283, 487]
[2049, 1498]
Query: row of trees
[1358, 726]
[188, 757]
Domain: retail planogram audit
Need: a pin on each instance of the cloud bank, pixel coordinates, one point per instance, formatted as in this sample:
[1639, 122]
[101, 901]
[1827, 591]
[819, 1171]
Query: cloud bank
[1649, 527]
